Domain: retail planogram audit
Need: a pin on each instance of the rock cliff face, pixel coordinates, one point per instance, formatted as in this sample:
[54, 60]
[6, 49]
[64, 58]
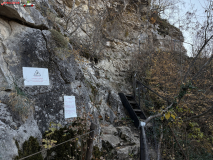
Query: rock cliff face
[94, 75]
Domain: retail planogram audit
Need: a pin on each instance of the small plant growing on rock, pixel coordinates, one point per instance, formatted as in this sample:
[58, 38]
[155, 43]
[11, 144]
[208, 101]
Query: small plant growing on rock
[48, 141]
[61, 50]
[63, 53]
[131, 155]
[20, 103]
[126, 33]
[59, 39]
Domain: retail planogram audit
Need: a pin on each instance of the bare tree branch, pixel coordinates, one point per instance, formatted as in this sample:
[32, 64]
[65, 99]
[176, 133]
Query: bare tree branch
[177, 142]
[68, 17]
[159, 144]
[200, 115]
[199, 52]
[159, 114]
[206, 26]
[210, 59]
[76, 27]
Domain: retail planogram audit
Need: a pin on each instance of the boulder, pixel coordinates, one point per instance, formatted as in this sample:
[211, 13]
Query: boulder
[110, 141]
[126, 134]
[128, 152]
[109, 130]
[123, 153]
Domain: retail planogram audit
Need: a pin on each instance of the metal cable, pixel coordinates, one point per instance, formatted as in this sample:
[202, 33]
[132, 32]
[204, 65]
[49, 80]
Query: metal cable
[57, 145]
[152, 90]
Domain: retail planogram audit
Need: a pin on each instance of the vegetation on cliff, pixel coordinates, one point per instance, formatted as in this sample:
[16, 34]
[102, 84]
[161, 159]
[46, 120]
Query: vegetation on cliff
[183, 121]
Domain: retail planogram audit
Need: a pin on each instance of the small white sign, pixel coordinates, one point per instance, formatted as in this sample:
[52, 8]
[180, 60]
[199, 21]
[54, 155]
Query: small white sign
[35, 76]
[69, 106]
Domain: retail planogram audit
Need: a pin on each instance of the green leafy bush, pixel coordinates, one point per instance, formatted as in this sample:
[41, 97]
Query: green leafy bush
[29, 147]
[75, 148]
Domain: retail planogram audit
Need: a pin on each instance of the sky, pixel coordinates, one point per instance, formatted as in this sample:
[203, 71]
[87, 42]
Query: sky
[188, 5]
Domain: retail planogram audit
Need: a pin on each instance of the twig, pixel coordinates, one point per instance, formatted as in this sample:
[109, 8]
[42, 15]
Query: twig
[158, 115]
[197, 116]
[177, 142]
[159, 144]
[210, 59]
[199, 52]
[152, 90]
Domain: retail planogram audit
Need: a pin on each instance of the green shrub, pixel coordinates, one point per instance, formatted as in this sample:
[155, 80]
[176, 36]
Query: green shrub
[29, 147]
[71, 148]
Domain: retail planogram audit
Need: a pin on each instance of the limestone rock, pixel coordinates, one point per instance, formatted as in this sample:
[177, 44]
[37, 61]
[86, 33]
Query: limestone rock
[110, 141]
[126, 134]
[6, 116]
[109, 130]
[123, 153]
[128, 152]
[8, 148]
[23, 46]
[9, 132]
[117, 106]
[29, 16]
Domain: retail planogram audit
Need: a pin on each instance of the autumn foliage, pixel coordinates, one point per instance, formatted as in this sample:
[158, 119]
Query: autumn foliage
[188, 125]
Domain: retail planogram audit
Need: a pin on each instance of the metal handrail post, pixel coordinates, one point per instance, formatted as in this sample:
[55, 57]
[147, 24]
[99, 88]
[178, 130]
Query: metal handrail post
[139, 96]
[143, 145]
[134, 85]
[142, 156]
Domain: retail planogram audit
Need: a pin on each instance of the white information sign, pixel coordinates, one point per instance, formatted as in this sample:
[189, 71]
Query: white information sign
[69, 106]
[35, 76]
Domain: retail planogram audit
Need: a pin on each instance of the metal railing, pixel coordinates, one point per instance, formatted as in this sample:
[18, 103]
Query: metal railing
[138, 124]
[138, 88]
